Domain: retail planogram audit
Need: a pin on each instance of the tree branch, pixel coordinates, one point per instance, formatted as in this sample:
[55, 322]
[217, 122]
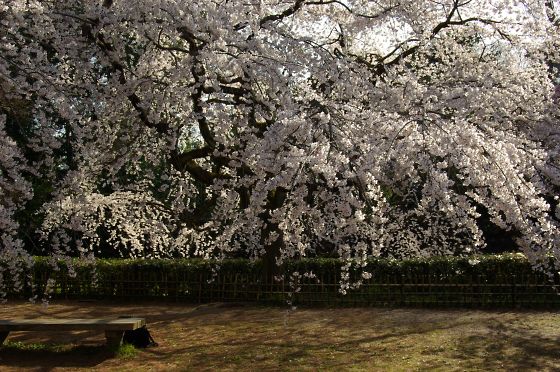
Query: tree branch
[286, 13]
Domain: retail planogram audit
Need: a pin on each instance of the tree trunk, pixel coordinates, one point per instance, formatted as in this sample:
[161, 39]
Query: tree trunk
[270, 269]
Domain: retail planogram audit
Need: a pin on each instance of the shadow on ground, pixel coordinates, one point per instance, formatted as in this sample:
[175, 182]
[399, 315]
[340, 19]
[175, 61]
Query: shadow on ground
[512, 348]
[239, 338]
[82, 356]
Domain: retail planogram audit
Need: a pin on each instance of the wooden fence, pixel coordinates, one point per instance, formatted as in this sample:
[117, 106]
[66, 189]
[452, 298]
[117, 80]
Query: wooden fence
[428, 286]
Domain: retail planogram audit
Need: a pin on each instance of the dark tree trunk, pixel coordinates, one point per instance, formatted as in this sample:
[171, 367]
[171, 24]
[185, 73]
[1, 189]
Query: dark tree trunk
[270, 268]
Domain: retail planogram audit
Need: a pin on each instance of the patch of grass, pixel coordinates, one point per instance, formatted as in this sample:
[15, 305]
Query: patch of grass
[123, 351]
[126, 351]
[34, 346]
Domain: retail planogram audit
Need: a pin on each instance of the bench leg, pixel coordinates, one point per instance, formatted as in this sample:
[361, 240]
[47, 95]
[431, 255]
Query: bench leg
[114, 338]
[3, 336]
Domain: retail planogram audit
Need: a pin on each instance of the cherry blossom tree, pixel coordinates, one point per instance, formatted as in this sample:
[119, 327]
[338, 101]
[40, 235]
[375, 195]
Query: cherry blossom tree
[280, 129]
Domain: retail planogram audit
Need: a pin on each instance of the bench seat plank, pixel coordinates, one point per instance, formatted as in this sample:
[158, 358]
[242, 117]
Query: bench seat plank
[46, 324]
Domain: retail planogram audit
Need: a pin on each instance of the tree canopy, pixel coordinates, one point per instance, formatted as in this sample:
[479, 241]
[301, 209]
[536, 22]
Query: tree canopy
[278, 129]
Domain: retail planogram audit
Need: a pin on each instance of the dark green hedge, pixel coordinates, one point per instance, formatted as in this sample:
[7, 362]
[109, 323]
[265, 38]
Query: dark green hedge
[491, 280]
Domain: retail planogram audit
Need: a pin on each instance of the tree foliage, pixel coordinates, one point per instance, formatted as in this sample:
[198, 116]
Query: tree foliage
[280, 129]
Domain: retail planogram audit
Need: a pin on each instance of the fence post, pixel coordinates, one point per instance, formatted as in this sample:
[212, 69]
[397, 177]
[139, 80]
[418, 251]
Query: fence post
[402, 289]
[200, 288]
[513, 294]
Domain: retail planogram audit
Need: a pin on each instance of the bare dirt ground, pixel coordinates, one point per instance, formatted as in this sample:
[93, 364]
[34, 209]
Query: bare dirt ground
[238, 337]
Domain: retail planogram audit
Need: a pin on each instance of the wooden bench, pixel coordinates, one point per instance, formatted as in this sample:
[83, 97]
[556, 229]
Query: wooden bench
[114, 328]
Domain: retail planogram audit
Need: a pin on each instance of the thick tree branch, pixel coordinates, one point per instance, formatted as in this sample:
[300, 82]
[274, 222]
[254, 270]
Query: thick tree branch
[361, 15]
[286, 13]
[161, 127]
